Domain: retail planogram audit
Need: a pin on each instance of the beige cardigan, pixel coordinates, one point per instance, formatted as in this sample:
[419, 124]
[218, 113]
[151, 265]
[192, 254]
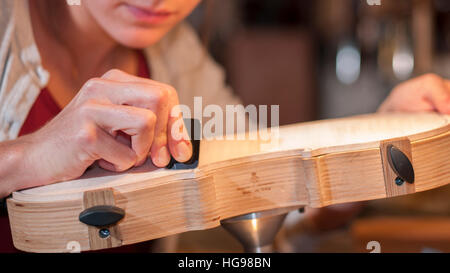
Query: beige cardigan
[178, 59]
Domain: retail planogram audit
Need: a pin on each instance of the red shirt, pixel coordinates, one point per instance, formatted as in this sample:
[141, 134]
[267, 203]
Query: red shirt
[43, 110]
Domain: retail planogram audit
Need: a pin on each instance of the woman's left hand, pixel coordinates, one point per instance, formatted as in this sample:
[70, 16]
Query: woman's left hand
[427, 93]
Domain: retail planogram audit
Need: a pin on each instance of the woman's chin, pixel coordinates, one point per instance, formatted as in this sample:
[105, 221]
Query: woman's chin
[139, 39]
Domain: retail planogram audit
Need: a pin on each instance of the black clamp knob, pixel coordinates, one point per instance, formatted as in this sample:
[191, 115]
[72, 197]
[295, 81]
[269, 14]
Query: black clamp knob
[101, 216]
[3, 207]
[400, 164]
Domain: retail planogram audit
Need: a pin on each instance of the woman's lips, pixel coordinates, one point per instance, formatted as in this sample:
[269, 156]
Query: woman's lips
[150, 16]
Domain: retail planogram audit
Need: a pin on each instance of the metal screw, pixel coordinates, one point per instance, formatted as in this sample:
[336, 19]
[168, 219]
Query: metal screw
[104, 233]
[301, 210]
[399, 181]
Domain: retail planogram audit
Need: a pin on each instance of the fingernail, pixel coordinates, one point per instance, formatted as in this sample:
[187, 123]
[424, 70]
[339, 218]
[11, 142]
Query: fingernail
[162, 157]
[184, 152]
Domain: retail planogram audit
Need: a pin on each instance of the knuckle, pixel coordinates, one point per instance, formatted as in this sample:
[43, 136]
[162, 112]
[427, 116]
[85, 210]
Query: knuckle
[87, 137]
[92, 83]
[170, 91]
[162, 94]
[92, 86]
[112, 73]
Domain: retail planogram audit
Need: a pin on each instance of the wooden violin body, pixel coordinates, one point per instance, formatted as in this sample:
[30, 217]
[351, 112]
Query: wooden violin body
[309, 164]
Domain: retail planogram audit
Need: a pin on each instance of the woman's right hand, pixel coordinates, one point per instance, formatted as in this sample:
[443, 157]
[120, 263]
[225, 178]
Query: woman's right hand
[88, 129]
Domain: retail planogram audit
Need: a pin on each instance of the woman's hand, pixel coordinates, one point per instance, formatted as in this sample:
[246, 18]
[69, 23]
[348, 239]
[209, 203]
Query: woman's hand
[91, 126]
[423, 94]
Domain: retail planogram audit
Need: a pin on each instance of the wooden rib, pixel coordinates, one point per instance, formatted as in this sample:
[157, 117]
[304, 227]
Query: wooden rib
[163, 203]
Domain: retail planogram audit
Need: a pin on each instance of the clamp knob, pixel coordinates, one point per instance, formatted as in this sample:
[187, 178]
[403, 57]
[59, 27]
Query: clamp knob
[100, 216]
[400, 164]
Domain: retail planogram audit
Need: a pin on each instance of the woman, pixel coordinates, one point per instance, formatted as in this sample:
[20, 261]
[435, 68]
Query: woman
[74, 75]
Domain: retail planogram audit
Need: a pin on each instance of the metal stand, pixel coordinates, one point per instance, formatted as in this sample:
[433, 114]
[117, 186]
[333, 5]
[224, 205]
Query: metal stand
[256, 231]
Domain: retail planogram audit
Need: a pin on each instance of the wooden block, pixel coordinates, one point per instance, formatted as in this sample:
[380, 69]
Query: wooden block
[98, 198]
[392, 189]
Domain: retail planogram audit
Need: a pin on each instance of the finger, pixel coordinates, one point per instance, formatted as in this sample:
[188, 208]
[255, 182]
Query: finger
[178, 139]
[118, 156]
[159, 151]
[138, 94]
[144, 85]
[439, 96]
[139, 123]
[152, 96]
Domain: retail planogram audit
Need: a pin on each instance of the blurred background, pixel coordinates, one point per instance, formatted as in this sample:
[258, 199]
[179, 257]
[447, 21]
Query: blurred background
[324, 59]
